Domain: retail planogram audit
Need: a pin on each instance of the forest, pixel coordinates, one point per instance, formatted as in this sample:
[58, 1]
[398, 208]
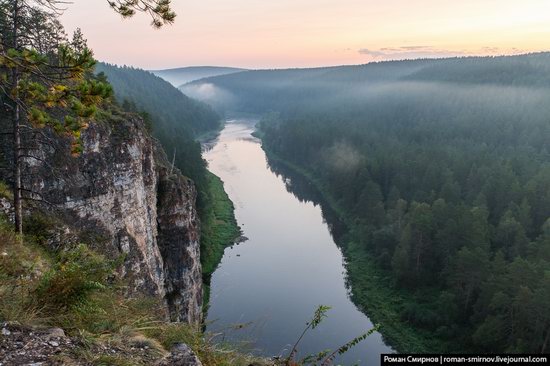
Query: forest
[441, 168]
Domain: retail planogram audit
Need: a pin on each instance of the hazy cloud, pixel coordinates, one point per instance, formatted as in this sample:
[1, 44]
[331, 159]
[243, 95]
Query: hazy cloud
[373, 53]
[415, 51]
[411, 48]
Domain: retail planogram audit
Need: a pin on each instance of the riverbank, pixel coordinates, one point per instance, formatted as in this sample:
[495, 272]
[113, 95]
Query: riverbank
[372, 288]
[219, 227]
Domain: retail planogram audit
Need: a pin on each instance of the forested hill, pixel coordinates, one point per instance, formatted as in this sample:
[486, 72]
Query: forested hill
[441, 168]
[159, 98]
[253, 91]
[183, 75]
[285, 90]
[531, 70]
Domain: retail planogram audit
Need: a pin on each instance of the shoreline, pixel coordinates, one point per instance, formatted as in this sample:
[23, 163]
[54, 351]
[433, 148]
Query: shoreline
[378, 299]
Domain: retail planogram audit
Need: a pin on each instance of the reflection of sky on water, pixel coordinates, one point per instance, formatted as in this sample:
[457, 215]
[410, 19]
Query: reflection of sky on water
[273, 282]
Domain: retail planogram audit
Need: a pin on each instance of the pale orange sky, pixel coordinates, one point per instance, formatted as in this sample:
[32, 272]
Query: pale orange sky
[305, 33]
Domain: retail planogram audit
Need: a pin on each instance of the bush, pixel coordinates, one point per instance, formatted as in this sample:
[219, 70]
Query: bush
[20, 269]
[38, 226]
[77, 274]
[421, 315]
[5, 191]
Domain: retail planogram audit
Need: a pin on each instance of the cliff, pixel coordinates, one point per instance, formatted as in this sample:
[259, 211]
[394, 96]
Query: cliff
[122, 197]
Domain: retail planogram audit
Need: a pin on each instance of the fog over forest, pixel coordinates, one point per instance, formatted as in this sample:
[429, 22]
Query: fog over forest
[440, 168]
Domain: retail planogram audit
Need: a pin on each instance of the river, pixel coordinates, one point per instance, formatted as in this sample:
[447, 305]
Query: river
[266, 288]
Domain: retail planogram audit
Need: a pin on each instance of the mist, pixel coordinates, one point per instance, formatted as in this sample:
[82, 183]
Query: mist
[391, 92]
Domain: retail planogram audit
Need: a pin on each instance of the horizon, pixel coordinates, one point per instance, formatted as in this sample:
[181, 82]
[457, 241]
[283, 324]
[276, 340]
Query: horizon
[306, 34]
[330, 66]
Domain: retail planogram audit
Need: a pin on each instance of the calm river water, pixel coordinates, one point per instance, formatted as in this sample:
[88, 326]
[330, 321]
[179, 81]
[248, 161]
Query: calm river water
[290, 264]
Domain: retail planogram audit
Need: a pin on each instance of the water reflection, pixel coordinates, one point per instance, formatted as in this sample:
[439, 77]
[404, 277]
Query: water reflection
[304, 191]
[266, 288]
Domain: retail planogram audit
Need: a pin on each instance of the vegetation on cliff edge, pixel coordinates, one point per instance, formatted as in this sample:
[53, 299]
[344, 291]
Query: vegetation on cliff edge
[73, 289]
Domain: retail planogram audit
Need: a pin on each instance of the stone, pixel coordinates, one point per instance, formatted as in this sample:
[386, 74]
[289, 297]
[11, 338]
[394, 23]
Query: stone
[55, 333]
[121, 193]
[180, 355]
[5, 332]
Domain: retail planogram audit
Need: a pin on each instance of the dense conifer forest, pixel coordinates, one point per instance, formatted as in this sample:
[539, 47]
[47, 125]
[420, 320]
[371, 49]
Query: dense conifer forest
[442, 169]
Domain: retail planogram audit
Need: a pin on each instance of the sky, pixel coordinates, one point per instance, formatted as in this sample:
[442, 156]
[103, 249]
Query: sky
[306, 33]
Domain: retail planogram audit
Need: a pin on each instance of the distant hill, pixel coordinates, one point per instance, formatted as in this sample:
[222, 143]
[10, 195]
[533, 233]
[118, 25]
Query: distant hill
[183, 75]
[151, 93]
[258, 91]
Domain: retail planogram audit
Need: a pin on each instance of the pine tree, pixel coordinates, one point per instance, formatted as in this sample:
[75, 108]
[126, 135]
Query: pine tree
[47, 88]
[159, 10]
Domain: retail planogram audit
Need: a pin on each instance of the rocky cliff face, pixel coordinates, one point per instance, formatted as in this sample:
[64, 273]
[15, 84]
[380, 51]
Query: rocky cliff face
[125, 199]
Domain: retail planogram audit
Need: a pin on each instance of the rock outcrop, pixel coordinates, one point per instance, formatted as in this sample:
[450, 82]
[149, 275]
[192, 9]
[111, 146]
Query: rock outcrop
[125, 199]
[26, 346]
[180, 355]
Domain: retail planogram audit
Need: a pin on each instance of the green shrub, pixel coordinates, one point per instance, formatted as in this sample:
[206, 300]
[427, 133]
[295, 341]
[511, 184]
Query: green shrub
[37, 227]
[5, 191]
[77, 274]
[21, 266]
[71, 290]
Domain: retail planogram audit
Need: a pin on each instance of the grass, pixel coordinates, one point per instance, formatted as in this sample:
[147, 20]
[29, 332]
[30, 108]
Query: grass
[73, 289]
[372, 288]
[219, 227]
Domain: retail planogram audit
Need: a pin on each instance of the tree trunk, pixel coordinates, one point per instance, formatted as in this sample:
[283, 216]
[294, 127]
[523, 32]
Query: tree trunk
[17, 199]
[17, 188]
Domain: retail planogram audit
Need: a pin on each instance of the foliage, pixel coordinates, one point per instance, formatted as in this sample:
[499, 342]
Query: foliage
[45, 82]
[159, 10]
[5, 191]
[326, 357]
[76, 274]
[173, 110]
[70, 289]
[20, 267]
[53, 86]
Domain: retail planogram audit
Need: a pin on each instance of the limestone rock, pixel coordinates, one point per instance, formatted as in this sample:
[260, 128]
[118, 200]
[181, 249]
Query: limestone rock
[181, 355]
[123, 200]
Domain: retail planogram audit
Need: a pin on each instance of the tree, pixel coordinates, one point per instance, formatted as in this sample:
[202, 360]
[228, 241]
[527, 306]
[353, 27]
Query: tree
[541, 312]
[510, 235]
[420, 222]
[51, 88]
[45, 80]
[469, 271]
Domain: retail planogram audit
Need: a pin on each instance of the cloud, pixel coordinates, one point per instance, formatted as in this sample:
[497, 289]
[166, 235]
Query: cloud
[413, 48]
[408, 52]
[372, 53]
[490, 49]
[413, 52]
